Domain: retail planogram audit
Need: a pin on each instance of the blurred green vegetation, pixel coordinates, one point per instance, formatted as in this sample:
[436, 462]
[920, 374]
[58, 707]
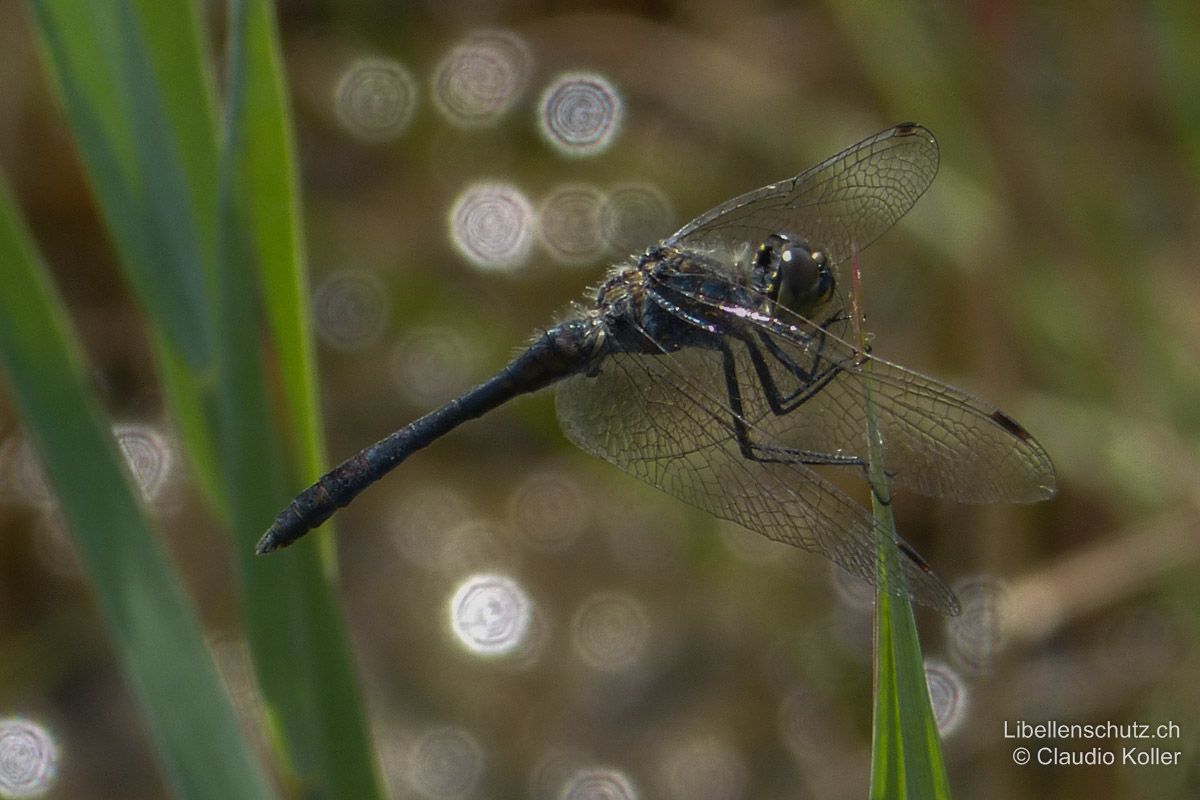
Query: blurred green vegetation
[1051, 269]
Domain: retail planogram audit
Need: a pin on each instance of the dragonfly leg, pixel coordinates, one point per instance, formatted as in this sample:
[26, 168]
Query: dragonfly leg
[810, 380]
[763, 453]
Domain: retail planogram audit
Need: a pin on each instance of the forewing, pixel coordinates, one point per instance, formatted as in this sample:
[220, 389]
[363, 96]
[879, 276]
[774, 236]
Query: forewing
[663, 418]
[849, 199]
[938, 440]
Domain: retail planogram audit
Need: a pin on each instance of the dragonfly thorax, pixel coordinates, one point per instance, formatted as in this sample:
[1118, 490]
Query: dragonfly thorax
[793, 274]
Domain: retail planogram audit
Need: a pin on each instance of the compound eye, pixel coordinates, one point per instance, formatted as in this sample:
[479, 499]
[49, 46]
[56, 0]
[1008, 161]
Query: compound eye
[806, 280]
[769, 250]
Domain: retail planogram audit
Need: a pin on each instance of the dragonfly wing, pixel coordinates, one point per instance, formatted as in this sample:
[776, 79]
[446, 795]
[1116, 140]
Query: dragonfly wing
[664, 419]
[938, 440]
[947, 443]
[848, 200]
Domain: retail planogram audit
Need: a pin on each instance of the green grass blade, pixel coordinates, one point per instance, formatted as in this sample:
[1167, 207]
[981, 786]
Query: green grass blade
[906, 752]
[266, 165]
[295, 630]
[130, 80]
[150, 152]
[155, 633]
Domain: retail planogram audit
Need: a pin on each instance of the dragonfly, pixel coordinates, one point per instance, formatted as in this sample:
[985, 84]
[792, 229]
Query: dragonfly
[718, 367]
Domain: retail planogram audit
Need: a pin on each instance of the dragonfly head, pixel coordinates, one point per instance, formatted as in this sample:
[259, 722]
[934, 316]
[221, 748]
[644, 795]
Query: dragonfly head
[793, 274]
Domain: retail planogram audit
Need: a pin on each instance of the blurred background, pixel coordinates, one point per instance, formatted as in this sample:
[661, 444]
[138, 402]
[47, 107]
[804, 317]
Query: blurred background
[530, 622]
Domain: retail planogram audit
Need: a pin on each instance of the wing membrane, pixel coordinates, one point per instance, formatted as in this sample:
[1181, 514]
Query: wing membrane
[666, 414]
[938, 441]
[663, 419]
[850, 198]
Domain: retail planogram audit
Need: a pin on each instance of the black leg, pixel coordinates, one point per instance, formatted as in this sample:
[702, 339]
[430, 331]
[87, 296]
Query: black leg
[763, 453]
[809, 381]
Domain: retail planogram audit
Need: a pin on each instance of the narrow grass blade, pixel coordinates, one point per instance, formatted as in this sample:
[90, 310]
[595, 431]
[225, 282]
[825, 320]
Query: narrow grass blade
[906, 754]
[296, 634]
[266, 176]
[155, 633]
[143, 121]
[130, 79]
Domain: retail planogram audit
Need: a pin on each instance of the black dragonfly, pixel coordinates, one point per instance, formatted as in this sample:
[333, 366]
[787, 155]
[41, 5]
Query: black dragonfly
[717, 366]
